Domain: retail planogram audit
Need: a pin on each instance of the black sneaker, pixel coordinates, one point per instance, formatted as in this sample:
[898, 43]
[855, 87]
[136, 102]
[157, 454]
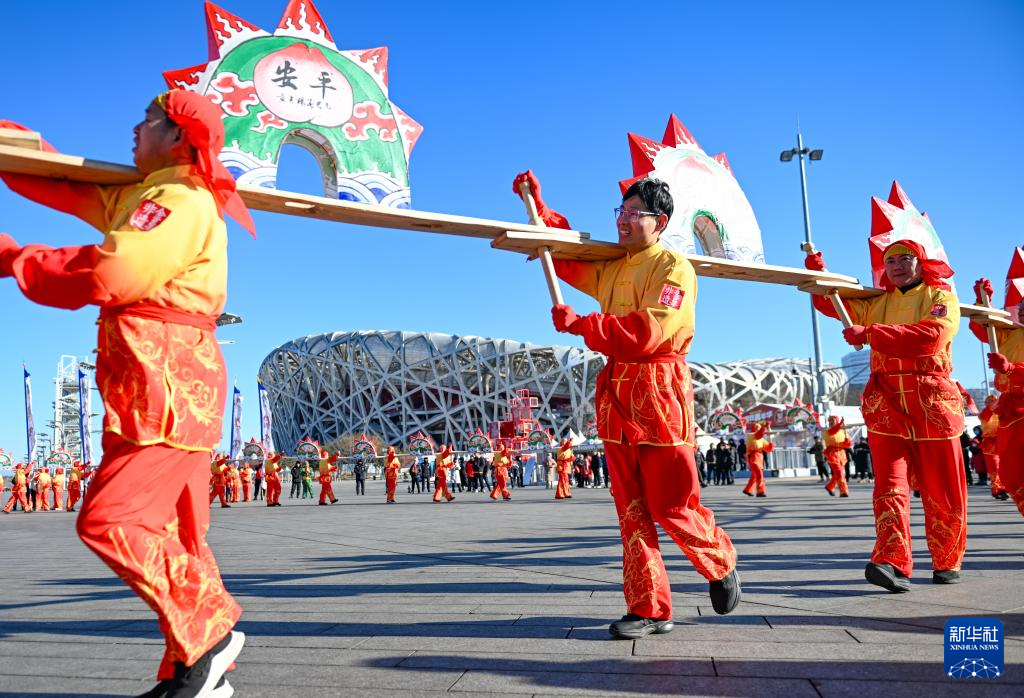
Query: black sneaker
[762, 494]
[831, 493]
[945, 577]
[749, 494]
[725, 593]
[222, 690]
[634, 627]
[202, 678]
[844, 494]
[886, 576]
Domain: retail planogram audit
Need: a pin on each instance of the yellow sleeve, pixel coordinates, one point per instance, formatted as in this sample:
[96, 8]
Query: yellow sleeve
[679, 275]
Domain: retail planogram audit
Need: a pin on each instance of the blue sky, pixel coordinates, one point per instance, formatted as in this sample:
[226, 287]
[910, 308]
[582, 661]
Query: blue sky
[928, 93]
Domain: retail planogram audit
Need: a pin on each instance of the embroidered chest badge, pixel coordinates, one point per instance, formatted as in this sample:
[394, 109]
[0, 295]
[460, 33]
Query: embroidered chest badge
[149, 215]
[938, 310]
[671, 297]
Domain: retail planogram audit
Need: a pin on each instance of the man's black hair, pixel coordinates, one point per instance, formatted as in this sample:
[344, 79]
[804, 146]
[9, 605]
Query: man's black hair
[654, 193]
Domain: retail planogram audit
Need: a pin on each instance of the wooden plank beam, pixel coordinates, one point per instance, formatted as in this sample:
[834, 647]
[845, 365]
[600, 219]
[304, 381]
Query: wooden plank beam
[21, 139]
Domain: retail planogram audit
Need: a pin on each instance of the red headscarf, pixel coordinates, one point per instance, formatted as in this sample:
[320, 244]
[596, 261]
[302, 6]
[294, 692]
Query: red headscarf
[933, 271]
[200, 121]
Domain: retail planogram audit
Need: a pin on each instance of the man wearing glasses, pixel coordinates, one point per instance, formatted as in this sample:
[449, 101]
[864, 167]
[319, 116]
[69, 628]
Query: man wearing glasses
[645, 404]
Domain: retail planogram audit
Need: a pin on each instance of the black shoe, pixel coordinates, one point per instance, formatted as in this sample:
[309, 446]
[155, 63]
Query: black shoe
[334, 501]
[201, 680]
[762, 494]
[725, 593]
[749, 494]
[831, 493]
[225, 506]
[844, 494]
[222, 690]
[945, 577]
[634, 627]
[323, 504]
[1003, 495]
[886, 576]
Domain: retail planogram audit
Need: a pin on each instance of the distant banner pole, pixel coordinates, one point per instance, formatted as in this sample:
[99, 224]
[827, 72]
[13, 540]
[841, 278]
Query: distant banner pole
[236, 425]
[84, 413]
[30, 424]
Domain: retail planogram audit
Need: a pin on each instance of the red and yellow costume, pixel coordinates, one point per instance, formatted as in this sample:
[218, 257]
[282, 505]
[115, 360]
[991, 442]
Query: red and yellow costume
[836, 443]
[235, 481]
[43, 482]
[442, 462]
[76, 476]
[160, 279]
[913, 411]
[501, 462]
[57, 489]
[19, 489]
[391, 467]
[327, 470]
[218, 480]
[757, 446]
[645, 413]
[1009, 413]
[245, 482]
[989, 418]
[272, 476]
[564, 460]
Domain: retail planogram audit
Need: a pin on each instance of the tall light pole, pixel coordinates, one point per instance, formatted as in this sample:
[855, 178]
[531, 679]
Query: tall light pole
[787, 155]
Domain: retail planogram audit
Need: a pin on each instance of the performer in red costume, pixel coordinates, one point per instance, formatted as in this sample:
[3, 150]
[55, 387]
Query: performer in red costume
[913, 412]
[78, 474]
[327, 470]
[1008, 364]
[442, 462]
[989, 418]
[391, 467]
[160, 278]
[645, 405]
[57, 489]
[19, 489]
[502, 460]
[564, 460]
[757, 446]
[272, 476]
[218, 481]
[43, 482]
[245, 479]
[836, 443]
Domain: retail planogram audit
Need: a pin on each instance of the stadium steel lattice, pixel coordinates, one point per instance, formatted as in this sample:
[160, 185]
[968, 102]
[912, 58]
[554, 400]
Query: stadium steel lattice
[395, 384]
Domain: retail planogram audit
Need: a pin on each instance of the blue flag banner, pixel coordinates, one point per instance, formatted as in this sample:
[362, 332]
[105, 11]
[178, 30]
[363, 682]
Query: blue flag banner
[236, 425]
[974, 648]
[84, 412]
[30, 422]
[266, 421]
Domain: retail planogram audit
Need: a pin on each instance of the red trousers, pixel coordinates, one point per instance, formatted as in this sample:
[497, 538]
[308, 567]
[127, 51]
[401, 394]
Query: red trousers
[992, 461]
[936, 468]
[146, 517]
[19, 495]
[246, 491]
[1010, 442]
[441, 488]
[659, 484]
[756, 482]
[838, 478]
[500, 486]
[235, 491]
[273, 490]
[58, 498]
[218, 491]
[391, 478]
[327, 493]
[563, 490]
[74, 494]
[41, 503]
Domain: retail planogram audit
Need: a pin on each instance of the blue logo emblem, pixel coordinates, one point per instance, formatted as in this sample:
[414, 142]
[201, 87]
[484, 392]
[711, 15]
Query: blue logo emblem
[974, 648]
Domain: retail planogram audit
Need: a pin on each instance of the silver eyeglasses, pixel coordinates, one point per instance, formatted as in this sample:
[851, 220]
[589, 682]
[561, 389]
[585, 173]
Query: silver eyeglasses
[631, 215]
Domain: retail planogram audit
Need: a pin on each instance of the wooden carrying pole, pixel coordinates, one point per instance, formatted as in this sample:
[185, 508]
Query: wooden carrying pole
[544, 252]
[837, 302]
[993, 342]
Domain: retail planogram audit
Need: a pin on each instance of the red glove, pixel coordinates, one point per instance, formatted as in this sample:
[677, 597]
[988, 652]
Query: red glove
[998, 362]
[552, 219]
[564, 318]
[980, 285]
[8, 249]
[856, 335]
[334, 459]
[814, 262]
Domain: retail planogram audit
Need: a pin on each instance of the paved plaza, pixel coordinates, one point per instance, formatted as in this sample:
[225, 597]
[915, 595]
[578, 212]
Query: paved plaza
[482, 598]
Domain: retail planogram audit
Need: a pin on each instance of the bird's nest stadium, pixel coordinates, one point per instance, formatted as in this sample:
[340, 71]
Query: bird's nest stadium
[395, 384]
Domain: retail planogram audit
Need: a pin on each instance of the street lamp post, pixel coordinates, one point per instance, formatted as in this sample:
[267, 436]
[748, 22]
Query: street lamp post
[787, 155]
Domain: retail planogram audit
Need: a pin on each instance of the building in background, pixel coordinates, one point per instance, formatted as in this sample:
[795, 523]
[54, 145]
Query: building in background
[395, 384]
